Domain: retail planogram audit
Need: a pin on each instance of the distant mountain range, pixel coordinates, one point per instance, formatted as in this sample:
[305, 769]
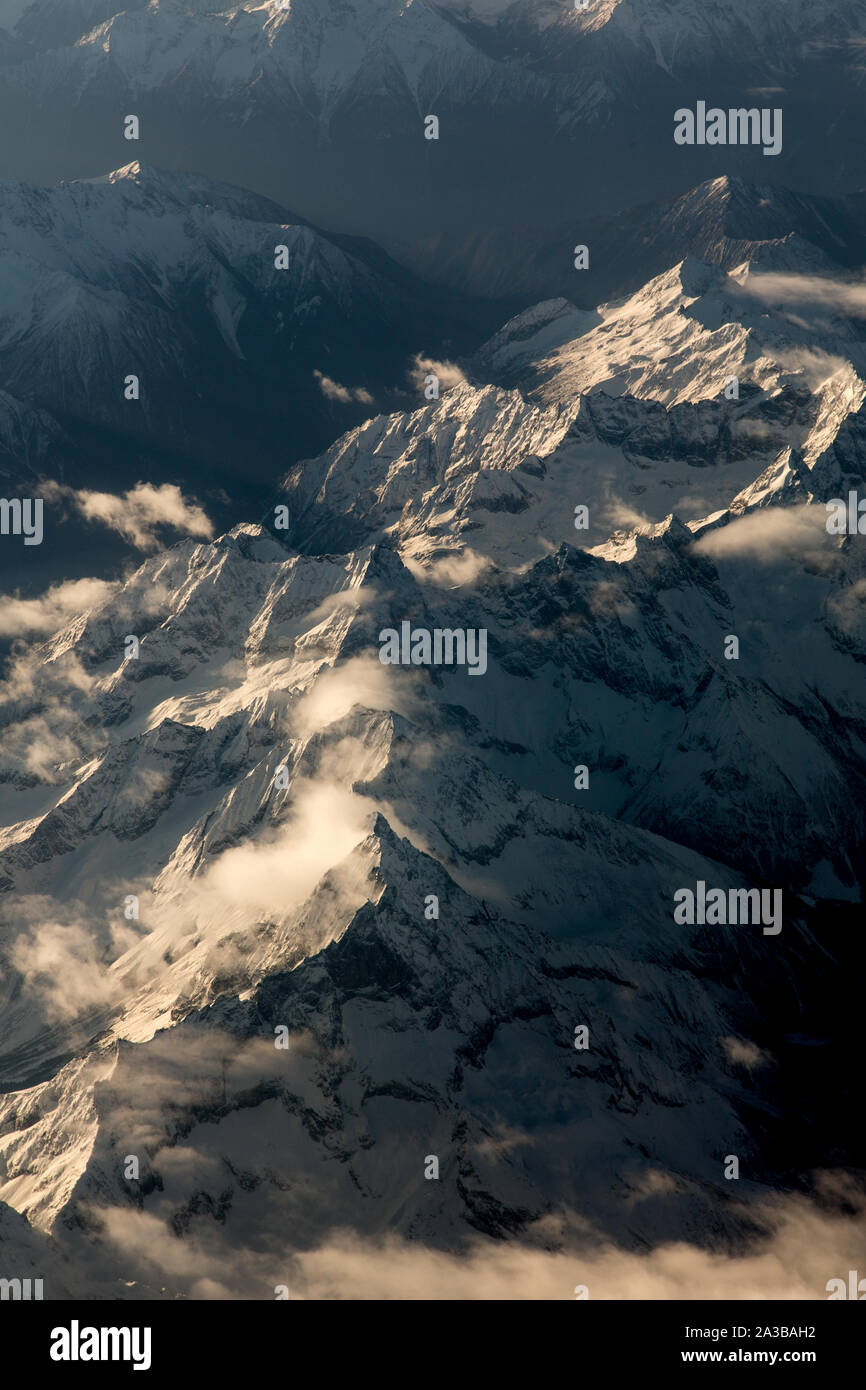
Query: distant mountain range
[546, 113]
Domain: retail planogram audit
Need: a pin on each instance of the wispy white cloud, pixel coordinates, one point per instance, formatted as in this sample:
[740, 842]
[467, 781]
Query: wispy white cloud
[785, 290]
[138, 514]
[39, 709]
[344, 394]
[63, 968]
[363, 681]
[767, 533]
[623, 516]
[53, 609]
[812, 364]
[449, 373]
[460, 570]
[847, 610]
[744, 1053]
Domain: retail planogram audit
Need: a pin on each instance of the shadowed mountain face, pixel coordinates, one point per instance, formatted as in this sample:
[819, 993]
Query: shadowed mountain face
[150, 322]
[181, 281]
[724, 221]
[432, 725]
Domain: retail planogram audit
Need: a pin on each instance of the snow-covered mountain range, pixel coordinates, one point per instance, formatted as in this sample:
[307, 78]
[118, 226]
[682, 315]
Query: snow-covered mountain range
[302, 905]
[255, 825]
[327, 58]
[546, 112]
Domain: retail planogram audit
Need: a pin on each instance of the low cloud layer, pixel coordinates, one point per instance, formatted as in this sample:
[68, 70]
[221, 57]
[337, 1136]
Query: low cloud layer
[806, 1247]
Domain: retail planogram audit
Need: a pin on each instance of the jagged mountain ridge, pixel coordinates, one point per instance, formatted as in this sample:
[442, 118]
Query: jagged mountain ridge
[781, 317]
[626, 410]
